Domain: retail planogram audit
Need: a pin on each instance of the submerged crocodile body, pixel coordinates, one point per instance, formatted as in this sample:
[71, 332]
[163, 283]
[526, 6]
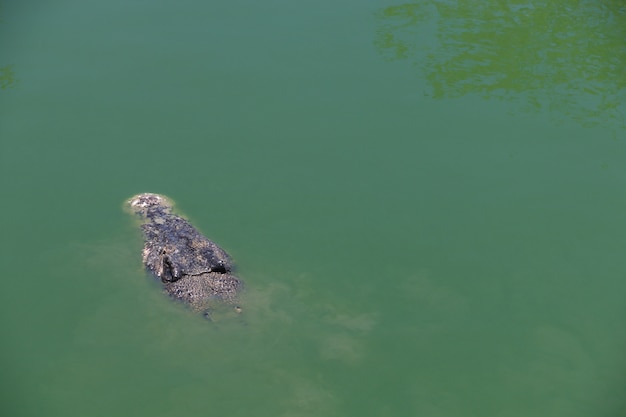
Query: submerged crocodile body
[192, 268]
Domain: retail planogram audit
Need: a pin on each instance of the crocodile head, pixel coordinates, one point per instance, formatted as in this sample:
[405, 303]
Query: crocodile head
[149, 205]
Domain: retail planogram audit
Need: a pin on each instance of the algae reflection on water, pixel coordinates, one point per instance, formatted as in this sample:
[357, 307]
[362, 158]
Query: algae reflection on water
[564, 57]
[7, 74]
[7, 77]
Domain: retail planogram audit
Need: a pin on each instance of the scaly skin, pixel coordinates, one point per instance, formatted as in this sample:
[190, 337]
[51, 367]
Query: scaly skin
[192, 268]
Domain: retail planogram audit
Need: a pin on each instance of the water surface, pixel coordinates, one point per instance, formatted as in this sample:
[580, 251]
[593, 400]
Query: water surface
[425, 200]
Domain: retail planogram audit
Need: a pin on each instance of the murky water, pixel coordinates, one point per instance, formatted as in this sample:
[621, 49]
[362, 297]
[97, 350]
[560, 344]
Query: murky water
[425, 200]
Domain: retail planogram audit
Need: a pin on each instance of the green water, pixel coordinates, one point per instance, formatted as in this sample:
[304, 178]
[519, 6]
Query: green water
[426, 202]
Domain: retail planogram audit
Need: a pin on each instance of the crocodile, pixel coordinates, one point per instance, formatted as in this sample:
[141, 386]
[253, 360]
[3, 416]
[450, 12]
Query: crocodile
[192, 268]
